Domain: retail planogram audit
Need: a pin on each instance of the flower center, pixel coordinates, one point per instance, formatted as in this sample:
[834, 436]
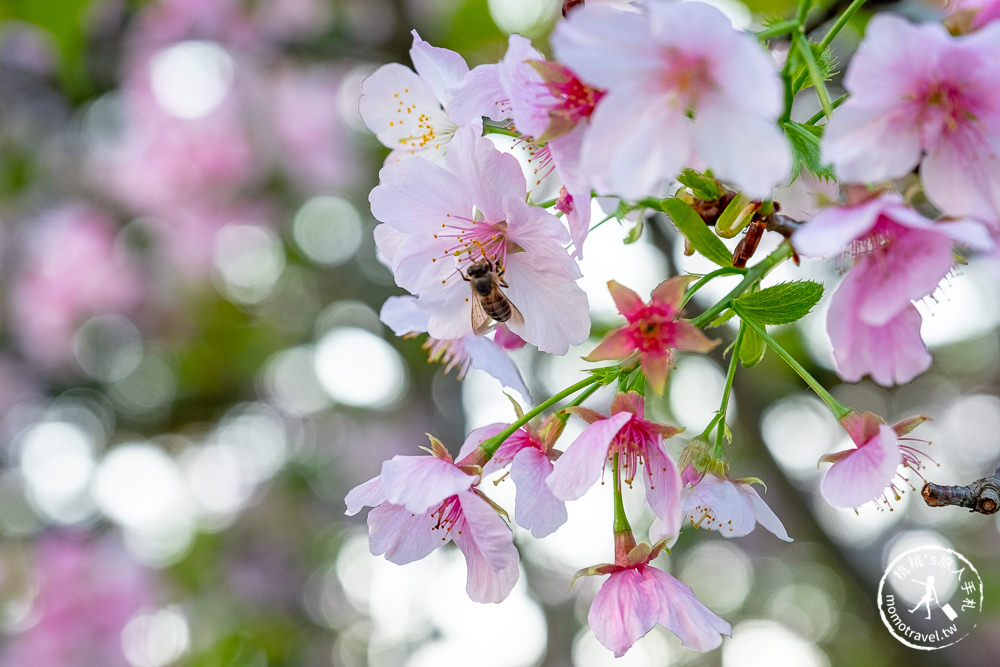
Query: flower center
[630, 444]
[651, 329]
[448, 514]
[687, 77]
[473, 239]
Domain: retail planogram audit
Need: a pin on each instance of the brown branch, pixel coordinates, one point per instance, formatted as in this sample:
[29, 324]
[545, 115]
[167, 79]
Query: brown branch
[981, 496]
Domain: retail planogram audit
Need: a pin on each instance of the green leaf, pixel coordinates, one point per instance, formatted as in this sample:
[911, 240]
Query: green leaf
[723, 317]
[697, 232]
[703, 186]
[635, 233]
[751, 349]
[804, 140]
[782, 303]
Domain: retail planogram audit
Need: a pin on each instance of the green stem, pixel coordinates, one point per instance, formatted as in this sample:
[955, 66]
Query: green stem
[704, 280]
[819, 115]
[839, 410]
[718, 453]
[841, 21]
[621, 523]
[754, 274]
[584, 395]
[817, 77]
[491, 445]
[544, 204]
[778, 29]
[496, 129]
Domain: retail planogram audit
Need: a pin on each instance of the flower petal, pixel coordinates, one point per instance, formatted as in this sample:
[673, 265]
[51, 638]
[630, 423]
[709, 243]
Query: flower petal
[479, 94]
[764, 515]
[488, 547]
[535, 508]
[368, 494]
[583, 461]
[403, 315]
[489, 174]
[870, 144]
[697, 626]
[624, 610]
[863, 475]
[402, 535]
[604, 46]
[626, 300]
[489, 357]
[477, 436]
[442, 69]
[833, 228]
[616, 345]
[663, 488]
[422, 482]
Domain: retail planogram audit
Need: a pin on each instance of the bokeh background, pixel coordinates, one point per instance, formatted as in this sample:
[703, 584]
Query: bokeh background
[193, 372]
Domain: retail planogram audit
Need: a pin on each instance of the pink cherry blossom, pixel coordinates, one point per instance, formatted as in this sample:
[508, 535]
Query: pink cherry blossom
[970, 15]
[404, 317]
[921, 96]
[409, 111]
[444, 218]
[73, 268]
[731, 506]
[654, 330]
[868, 472]
[638, 596]
[635, 441]
[529, 453]
[899, 256]
[87, 590]
[684, 90]
[421, 502]
[549, 106]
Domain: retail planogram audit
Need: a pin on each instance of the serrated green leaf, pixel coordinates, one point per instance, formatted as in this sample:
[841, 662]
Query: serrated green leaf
[635, 233]
[751, 349]
[702, 186]
[697, 232]
[781, 304]
[805, 140]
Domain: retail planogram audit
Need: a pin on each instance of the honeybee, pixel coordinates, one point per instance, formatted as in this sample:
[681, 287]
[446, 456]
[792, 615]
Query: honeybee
[488, 302]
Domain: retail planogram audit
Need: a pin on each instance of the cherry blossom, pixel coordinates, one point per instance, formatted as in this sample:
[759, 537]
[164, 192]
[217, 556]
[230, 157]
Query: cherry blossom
[404, 317]
[684, 89]
[635, 441]
[638, 596]
[442, 218]
[867, 472]
[731, 506]
[409, 111]
[970, 15]
[550, 107]
[421, 502]
[529, 453]
[921, 96]
[653, 330]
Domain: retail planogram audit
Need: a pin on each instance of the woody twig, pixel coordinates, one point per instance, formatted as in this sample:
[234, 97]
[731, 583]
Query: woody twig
[982, 495]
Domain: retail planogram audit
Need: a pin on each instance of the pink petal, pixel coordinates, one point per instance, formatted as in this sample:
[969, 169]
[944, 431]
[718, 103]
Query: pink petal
[671, 292]
[565, 151]
[368, 494]
[392, 100]
[490, 358]
[637, 141]
[893, 353]
[910, 269]
[864, 474]
[505, 454]
[625, 609]
[535, 508]
[833, 228]
[870, 144]
[402, 535]
[442, 69]
[415, 195]
[762, 513]
[663, 488]
[604, 46]
[692, 339]
[388, 240]
[583, 461]
[488, 547]
[716, 504]
[490, 175]
[742, 148]
[422, 482]
[616, 345]
[626, 300]
[961, 174]
[893, 59]
[449, 312]
[697, 626]
[656, 366]
[525, 87]
[403, 315]
[479, 94]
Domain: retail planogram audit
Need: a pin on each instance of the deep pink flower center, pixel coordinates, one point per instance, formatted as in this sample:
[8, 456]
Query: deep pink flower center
[473, 240]
[651, 328]
[686, 77]
[631, 443]
[449, 515]
[575, 99]
[945, 103]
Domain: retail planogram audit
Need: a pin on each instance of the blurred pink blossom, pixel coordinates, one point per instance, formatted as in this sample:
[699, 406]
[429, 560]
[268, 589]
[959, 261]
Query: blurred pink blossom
[72, 268]
[731, 506]
[87, 590]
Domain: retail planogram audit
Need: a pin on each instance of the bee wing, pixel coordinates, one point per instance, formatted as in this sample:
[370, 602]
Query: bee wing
[515, 315]
[480, 320]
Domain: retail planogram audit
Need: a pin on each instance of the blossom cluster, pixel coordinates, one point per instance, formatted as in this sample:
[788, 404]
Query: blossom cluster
[663, 106]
